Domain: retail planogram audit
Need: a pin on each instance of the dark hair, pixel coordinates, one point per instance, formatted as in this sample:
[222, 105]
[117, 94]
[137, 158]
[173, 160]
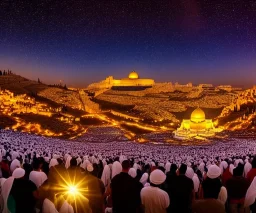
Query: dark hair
[60, 161]
[36, 164]
[173, 168]
[183, 169]
[73, 162]
[238, 171]
[126, 164]
[254, 163]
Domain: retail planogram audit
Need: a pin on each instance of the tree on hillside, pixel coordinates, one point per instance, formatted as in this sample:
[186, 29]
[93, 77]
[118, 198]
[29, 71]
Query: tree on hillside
[4, 73]
[65, 87]
[1, 72]
[38, 80]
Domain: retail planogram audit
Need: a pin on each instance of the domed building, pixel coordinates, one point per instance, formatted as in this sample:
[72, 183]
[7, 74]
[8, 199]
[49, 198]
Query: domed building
[133, 82]
[133, 75]
[197, 125]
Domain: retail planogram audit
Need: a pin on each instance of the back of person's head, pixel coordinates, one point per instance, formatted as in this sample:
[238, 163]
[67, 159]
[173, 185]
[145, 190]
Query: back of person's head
[126, 165]
[183, 169]
[157, 177]
[254, 163]
[60, 161]
[173, 168]
[73, 162]
[211, 188]
[238, 171]
[36, 164]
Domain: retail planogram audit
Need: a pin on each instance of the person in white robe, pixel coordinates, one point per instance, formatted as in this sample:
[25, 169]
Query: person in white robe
[144, 179]
[106, 176]
[247, 167]
[250, 196]
[154, 199]
[116, 169]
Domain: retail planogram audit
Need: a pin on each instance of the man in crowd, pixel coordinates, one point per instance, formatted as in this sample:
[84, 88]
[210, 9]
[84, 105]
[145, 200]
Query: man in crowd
[154, 199]
[125, 191]
[181, 192]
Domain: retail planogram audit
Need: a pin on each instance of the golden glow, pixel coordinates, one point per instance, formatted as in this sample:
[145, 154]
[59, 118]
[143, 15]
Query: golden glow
[197, 115]
[133, 75]
[72, 190]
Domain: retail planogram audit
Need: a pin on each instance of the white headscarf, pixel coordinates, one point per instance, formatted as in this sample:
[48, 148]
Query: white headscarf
[53, 162]
[250, 194]
[7, 186]
[196, 182]
[132, 172]
[247, 168]
[167, 167]
[106, 176]
[157, 177]
[213, 172]
[189, 173]
[223, 166]
[48, 207]
[116, 168]
[223, 195]
[15, 164]
[144, 178]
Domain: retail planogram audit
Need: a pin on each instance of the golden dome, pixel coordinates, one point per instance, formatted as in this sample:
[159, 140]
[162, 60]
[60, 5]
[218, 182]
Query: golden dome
[197, 115]
[133, 75]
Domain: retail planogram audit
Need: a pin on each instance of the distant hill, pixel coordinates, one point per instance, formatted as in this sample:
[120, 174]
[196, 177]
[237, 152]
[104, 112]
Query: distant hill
[20, 85]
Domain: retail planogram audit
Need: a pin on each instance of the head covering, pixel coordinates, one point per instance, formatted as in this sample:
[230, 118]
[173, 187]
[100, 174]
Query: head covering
[223, 166]
[196, 182]
[223, 195]
[190, 173]
[251, 194]
[144, 178]
[157, 177]
[53, 162]
[213, 172]
[18, 173]
[15, 164]
[6, 191]
[132, 172]
[247, 168]
[116, 168]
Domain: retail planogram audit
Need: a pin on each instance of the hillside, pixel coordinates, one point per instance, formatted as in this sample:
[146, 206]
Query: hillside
[20, 85]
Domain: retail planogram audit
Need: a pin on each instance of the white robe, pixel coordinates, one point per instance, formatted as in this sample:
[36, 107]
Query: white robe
[7, 186]
[250, 194]
[106, 176]
[15, 164]
[48, 207]
[116, 168]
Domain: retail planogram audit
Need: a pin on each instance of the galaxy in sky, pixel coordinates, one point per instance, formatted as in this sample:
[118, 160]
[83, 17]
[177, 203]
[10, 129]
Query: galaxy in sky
[83, 41]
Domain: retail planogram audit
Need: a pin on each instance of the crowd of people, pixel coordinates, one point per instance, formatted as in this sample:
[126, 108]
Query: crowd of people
[47, 175]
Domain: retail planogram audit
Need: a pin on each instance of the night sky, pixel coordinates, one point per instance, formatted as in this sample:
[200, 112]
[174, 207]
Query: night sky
[83, 41]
